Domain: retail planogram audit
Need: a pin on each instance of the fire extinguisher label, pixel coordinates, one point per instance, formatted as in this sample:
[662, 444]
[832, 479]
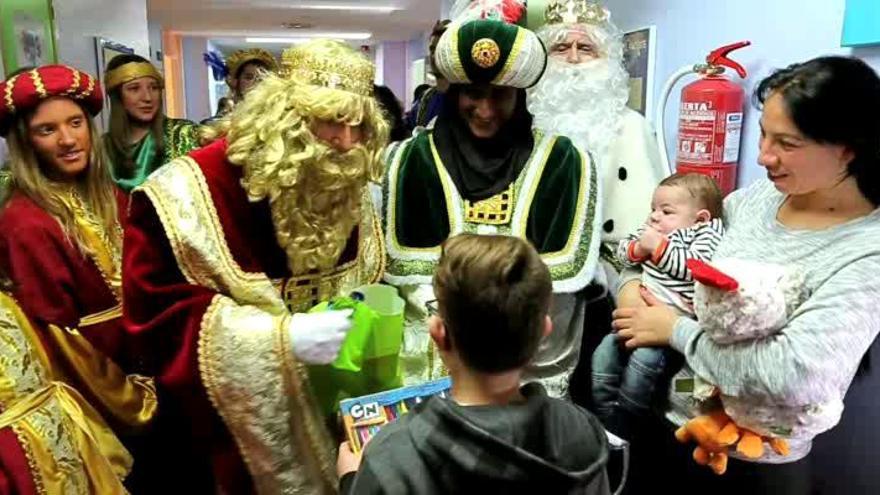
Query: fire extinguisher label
[733, 130]
[696, 129]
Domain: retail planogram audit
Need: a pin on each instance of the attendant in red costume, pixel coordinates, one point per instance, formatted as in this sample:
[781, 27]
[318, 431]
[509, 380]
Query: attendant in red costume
[225, 248]
[60, 239]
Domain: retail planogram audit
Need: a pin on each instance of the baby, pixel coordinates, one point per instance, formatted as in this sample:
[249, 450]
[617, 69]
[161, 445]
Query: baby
[685, 223]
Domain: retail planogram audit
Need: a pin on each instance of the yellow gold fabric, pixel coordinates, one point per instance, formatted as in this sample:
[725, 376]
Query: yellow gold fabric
[329, 64]
[129, 400]
[129, 72]
[496, 210]
[246, 381]
[99, 243]
[70, 448]
[102, 317]
[309, 429]
[178, 190]
[24, 365]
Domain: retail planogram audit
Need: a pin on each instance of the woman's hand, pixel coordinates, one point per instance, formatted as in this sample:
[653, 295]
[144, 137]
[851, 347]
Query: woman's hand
[649, 326]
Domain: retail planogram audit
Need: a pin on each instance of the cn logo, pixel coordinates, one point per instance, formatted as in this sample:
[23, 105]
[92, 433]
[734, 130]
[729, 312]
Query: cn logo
[365, 411]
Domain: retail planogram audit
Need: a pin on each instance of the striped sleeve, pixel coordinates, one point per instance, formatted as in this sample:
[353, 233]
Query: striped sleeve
[697, 242]
[625, 250]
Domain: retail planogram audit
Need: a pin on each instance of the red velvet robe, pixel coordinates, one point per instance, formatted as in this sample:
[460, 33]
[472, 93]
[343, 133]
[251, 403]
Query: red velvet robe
[163, 313]
[53, 280]
[15, 473]
[55, 284]
[47, 271]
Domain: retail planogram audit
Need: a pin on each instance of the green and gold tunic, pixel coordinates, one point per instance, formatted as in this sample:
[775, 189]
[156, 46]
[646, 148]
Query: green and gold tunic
[180, 137]
[554, 203]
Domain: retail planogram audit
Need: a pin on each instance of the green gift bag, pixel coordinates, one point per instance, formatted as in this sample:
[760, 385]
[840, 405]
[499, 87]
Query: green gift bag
[368, 360]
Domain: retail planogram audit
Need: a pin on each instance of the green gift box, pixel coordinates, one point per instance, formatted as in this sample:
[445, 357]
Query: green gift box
[368, 361]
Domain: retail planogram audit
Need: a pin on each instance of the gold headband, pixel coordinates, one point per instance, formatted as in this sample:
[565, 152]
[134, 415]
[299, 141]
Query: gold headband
[129, 72]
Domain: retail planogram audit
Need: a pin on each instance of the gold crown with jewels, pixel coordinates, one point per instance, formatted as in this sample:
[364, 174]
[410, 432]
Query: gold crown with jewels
[329, 64]
[575, 12]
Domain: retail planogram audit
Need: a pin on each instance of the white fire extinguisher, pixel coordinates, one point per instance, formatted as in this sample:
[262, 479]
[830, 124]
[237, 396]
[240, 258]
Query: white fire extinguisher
[710, 119]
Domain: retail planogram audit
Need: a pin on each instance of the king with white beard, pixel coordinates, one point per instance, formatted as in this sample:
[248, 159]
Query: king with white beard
[583, 95]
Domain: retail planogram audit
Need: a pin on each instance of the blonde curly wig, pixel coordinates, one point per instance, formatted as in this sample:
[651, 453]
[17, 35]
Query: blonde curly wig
[314, 191]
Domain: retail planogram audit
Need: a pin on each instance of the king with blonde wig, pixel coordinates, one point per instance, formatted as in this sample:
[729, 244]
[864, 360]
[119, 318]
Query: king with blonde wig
[234, 243]
[313, 189]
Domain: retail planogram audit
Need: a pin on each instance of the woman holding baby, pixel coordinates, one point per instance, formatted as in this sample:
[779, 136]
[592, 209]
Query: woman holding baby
[815, 213]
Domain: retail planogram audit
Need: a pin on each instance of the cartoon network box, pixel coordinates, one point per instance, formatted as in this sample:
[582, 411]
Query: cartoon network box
[363, 417]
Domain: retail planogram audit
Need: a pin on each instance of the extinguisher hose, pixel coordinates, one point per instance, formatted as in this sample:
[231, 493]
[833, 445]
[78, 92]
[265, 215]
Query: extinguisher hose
[661, 112]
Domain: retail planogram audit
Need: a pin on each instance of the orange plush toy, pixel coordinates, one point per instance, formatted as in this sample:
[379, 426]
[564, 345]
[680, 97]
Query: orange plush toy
[715, 434]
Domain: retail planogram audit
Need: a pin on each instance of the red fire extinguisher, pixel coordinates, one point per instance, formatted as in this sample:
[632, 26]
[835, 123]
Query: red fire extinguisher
[710, 120]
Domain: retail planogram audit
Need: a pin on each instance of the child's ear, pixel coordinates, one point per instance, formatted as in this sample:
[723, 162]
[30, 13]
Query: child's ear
[548, 326]
[438, 333]
[704, 216]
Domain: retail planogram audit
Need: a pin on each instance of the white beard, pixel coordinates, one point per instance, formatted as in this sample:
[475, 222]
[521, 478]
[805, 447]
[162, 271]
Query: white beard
[585, 102]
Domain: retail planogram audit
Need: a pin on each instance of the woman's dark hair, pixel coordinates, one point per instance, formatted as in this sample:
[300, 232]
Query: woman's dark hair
[834, 100]
[393, 112]
[420, 90]
[116, 140]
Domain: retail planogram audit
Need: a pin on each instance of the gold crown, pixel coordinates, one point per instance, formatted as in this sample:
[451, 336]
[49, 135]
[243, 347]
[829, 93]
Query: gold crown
[575, 12]
[241, 57]
[329, 64]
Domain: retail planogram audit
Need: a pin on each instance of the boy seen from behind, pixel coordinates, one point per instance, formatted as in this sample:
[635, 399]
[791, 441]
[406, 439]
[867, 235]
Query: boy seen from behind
[493, 297]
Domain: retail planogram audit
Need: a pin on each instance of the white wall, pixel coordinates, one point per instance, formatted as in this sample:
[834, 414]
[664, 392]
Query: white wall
[781, 31]
[416, 49]
[196, 79]
[395, 67]
[77, 22]
[154, 33]
[445, 7]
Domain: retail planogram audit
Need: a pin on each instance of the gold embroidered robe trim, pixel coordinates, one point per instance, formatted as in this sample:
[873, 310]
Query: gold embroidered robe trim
[70, 449]
[263, 401]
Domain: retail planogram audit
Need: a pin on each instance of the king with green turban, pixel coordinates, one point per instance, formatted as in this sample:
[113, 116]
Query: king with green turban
[483, 169]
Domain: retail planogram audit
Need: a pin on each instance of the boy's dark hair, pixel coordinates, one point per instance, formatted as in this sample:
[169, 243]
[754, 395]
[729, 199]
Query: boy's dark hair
[702, 188]
[493, 293]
